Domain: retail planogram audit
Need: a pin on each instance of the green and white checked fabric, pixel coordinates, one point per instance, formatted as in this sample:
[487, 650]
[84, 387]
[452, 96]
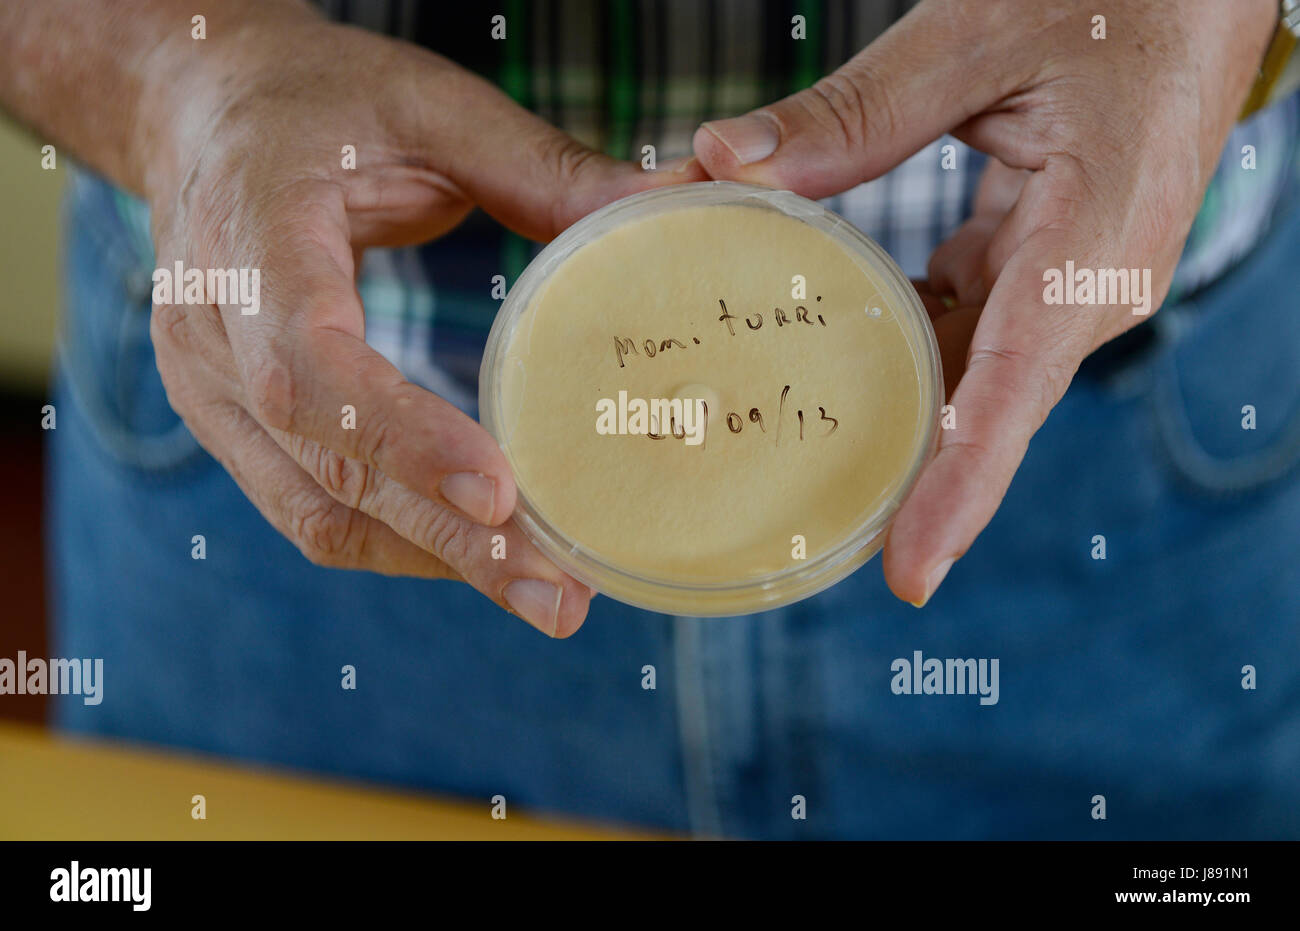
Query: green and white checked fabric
[622, 74]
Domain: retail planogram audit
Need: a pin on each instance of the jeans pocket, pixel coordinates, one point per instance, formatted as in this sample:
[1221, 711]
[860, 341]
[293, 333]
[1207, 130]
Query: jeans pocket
[105, 354]
[1226, 391]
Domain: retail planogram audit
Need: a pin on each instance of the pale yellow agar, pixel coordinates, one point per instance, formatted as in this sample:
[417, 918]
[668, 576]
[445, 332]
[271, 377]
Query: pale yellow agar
[733, 508]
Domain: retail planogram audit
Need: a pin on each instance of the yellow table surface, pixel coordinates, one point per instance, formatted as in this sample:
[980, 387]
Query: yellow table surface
[53, 787]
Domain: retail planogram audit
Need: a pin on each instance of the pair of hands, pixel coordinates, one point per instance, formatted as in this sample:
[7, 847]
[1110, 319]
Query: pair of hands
[1101, 152]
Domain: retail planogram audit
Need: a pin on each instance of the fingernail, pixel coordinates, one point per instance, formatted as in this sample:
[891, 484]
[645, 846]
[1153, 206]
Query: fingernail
[537, 602]
[936, 577]
[472, 492]
[751, 138]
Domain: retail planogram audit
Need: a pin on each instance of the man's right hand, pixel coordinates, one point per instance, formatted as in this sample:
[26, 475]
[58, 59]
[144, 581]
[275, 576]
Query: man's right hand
[243, 170]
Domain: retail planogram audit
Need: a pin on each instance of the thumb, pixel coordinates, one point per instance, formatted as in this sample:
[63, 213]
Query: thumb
[533, 178]
[923, 77]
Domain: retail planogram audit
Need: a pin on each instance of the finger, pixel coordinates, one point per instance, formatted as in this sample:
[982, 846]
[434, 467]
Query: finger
[532, 177]
[1021, 359]
[498, 561]
[953, 326]
[968, 262]
[999, 188]
[325, 531]
[959, 267]
[306, 370]
[954, 331]
[1023, 355]
[936, 305]
[929, 73]
[345, 513]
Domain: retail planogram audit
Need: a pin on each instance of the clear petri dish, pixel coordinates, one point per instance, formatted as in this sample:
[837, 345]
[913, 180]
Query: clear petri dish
[809, 389]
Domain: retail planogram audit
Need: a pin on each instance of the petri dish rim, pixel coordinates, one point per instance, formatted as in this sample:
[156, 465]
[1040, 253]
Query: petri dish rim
[754, 593]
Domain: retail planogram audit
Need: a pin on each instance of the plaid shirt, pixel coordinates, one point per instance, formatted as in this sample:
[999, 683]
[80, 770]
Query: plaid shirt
[622, 74]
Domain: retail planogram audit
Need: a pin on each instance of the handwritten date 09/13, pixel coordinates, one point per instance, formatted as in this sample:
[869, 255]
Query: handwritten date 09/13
[822, 425]
[735, 423]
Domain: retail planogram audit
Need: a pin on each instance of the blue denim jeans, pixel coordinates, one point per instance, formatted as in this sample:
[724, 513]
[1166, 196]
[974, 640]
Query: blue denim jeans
[1119, 677]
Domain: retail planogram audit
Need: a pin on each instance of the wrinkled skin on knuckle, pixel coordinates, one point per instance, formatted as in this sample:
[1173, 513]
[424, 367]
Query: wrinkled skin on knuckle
[852, 107]
[325, 532]
[172, 336]
[373, 435]
[348, 481]
[567, 158]
[568, 161]
[445, 535]
[169, 327]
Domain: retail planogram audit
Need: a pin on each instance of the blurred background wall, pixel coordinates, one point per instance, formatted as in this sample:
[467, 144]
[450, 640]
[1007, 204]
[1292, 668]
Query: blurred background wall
[29, 311]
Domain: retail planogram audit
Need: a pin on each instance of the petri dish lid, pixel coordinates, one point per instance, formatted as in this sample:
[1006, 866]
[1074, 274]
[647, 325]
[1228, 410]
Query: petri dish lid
[562, 341]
